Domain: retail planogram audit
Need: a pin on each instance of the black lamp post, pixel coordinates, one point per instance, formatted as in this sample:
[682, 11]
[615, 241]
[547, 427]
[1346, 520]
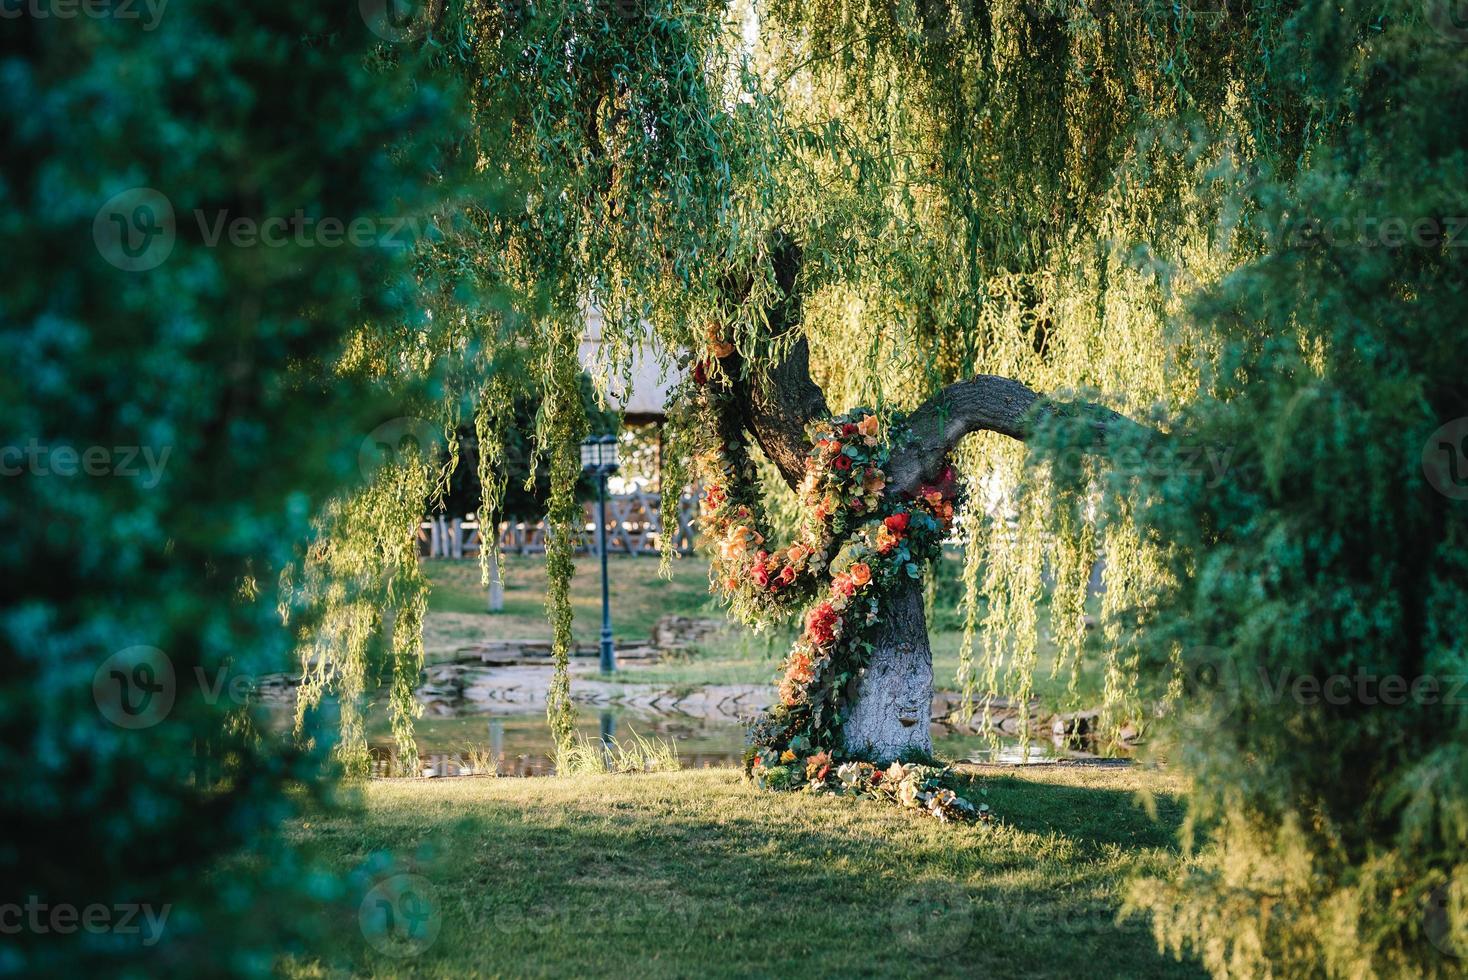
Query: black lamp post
[599, 458]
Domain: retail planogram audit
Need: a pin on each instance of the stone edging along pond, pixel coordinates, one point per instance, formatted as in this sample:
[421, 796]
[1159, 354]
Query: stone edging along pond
[456, 688]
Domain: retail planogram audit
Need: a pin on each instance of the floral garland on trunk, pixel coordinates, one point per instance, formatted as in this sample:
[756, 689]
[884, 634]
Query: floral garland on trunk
[855, 545]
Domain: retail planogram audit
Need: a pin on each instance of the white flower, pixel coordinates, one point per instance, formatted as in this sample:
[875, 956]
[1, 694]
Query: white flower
[908, 793]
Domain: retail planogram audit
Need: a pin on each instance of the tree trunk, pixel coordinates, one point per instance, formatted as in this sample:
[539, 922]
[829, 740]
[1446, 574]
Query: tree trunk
[894, 700]
[496, 585]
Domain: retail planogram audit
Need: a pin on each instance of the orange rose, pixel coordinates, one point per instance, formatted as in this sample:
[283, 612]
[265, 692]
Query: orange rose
[867, 426]
[798, 553]
[717, 344]
[861, 573]
[740, 539]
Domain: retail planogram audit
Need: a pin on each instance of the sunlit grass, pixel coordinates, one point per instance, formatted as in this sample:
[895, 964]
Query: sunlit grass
[609, 754]
[459, 614]
[696, 873]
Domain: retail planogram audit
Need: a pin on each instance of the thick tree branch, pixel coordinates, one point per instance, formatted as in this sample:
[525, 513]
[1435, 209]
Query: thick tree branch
[777, 404]
[987, 403]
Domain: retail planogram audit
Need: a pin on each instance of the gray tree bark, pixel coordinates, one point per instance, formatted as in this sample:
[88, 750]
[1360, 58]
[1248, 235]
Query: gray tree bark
[890, 716]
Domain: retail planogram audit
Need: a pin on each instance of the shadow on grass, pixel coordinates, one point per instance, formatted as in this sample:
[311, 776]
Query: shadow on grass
[757, 885]
[1086, 815]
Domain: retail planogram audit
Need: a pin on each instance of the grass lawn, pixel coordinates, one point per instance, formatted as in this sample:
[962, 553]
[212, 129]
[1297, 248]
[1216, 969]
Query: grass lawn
[458, 604]
[458, 616]
[696, 873]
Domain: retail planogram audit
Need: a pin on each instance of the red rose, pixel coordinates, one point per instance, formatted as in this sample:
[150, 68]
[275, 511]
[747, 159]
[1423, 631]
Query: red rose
[760, 575]
[849, 429]
[876, 776]
[701, 372]
[787, 574]
[842, 462]
[821, 624]
[897, 523]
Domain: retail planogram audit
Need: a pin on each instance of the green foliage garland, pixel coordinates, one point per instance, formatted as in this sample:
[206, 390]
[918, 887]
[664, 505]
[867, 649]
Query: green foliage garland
[855, 544]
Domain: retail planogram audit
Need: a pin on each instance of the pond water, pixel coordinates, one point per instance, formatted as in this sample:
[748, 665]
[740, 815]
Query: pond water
[519, 744]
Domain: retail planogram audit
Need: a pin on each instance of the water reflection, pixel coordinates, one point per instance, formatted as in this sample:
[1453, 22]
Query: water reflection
[520, 744]
[608, 734]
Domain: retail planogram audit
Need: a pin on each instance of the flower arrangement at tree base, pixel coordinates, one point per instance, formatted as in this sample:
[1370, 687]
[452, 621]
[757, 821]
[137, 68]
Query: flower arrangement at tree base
[927, 789]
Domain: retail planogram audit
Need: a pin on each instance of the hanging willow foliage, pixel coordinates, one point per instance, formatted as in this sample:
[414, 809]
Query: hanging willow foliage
[1085, 197]
[623, 159]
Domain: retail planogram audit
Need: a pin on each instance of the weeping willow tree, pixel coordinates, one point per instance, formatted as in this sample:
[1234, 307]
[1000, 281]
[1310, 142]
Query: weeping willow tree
[627, 157]
[1090, 260]
[1237, 226]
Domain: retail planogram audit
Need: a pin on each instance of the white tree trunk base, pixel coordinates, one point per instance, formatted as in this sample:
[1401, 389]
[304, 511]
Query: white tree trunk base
[894, 701]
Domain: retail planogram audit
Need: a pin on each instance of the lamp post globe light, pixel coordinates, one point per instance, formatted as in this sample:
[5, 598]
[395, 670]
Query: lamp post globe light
[599, 458]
